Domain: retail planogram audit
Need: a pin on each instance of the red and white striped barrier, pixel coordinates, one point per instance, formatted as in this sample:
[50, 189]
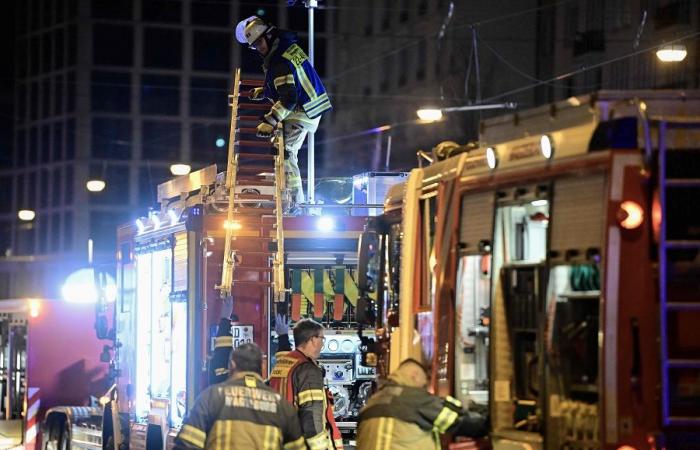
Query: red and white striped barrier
[31, 419]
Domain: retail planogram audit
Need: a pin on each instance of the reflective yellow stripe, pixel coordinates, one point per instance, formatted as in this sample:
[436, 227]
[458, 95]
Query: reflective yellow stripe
[386, 429]
[193, 435]
[250, 381]
[318, 442]
[279, 111]
[220, 371]
[271, 439]
[445, 419]
[316, 101]
[310, 396]
[223, 341]
[319, 109]
[284, 79]
[454, 401]
[299, 444]
[338, 444]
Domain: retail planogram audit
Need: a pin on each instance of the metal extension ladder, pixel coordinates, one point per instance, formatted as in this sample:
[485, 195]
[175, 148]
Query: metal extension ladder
[679, 266]
[254, 237]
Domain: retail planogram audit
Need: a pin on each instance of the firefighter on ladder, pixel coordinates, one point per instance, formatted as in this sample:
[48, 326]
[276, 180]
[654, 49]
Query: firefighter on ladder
[299, 378]
[295, 89]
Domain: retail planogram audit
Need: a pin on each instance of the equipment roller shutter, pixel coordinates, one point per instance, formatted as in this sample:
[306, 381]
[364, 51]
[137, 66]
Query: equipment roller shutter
[476, 220]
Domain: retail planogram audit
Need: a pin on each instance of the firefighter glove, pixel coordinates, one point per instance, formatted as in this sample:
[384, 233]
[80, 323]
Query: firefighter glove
[256, 94]
[264, 130]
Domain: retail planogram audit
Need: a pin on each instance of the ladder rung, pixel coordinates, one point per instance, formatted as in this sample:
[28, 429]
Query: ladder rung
[683, 363]
[247, 143]
[256, 168]
[258, 156]
[258, 283]
[678, 420]
[250, 181]
[682, 244]
[683, 182]
[251, 238]
[254, 269]
[249, 118]
[246, 130]
[254, 106]
[254, 211]
[683, 306]
[256, 253]
[251, 82]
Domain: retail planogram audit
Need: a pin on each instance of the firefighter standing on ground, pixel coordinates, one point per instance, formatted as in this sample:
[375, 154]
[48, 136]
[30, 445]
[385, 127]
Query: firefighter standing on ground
[292, 84]
[298, 377]
[241, 413]
[404, 415]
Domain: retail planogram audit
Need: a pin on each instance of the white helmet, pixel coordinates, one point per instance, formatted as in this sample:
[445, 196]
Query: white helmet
[249, 30]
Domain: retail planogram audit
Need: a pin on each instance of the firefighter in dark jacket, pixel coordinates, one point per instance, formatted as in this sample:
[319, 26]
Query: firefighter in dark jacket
[292, 85]
[299, 378]
[223, 343]
[242, 412]
[402, 414]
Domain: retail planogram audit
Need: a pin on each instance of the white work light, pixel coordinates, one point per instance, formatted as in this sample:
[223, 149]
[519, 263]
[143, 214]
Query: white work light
[180, 169]
[546, 146]
[491, 158]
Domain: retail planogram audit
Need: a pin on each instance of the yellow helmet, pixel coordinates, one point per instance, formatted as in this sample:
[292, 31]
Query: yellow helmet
[249, 30]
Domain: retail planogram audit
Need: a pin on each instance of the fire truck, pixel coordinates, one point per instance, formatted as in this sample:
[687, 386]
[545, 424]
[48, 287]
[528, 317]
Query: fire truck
[549, 276]
[217, 235]
[37, 373]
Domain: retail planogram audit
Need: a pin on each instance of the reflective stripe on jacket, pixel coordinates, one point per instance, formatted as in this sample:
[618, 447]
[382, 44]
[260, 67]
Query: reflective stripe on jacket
[300, 381]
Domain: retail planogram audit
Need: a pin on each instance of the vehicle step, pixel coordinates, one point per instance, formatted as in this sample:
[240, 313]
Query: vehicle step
[254, 269]
[258, 283]
[683, 363]
[251, 181]
[683, 306]
[683, 182]
[253, 168]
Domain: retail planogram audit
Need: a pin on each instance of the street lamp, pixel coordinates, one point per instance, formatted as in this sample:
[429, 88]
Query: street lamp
[95, 185]
[26, 215]
[672, 53]
[180, 169]
[435, 114]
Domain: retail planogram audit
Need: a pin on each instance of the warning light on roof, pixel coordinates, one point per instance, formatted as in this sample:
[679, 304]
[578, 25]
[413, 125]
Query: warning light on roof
[630, 215]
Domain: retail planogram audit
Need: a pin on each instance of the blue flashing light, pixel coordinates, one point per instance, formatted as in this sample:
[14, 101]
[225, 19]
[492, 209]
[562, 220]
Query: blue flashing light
[220, 142]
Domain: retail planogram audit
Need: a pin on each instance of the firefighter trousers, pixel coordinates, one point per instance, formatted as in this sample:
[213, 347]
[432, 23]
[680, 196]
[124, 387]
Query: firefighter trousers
[296, 127]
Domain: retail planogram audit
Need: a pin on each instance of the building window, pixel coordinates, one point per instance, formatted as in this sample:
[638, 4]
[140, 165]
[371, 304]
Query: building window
[267, 10]
[58, 90]
[71, 89]
[33, 146]
[46, 52]
[110, 91]
[5, 243]
[70, 139]
[22, 57]
[207, 97]
[203, 143]
[421, 60]
[116, 191]
[72, 49]
[404, 12]
[57, 141]
[111, 138]
[112, 45]
[35, 11]
[422, 7]
[21, 102]
[166, 11]
[56, 188]
[160, 94]
[45, 144]
[149, 179]
[44, 192]
[112, 9]
[68, 230]
[21, 148]
[55, 232]
[211, 51]
[34, 101]
[46, 98]
[60, 11]
[162, 48]
[68, 186]
[405, 58]
[6, 194]
[210, 13]
[160, 140]
[35, 53]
